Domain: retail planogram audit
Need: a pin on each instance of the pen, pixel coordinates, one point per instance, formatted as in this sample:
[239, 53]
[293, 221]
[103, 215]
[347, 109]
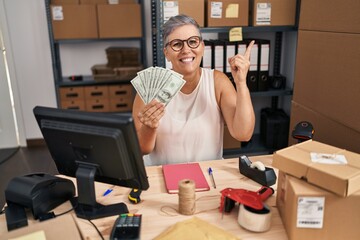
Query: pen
[107, 192]
[212, 176]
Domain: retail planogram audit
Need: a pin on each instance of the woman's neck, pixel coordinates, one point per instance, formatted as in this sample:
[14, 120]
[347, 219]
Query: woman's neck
[192, 81]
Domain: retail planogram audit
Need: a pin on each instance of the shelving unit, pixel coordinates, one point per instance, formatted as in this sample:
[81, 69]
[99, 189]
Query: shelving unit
[62, 82]
[255, 146]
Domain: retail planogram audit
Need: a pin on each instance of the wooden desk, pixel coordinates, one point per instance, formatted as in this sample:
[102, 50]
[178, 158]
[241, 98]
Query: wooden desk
[154, 221]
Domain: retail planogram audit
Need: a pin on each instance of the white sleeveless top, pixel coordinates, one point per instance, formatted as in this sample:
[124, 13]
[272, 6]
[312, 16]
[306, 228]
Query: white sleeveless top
[192, 128]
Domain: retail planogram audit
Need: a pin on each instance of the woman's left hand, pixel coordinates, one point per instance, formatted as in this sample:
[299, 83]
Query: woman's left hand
[240, 64]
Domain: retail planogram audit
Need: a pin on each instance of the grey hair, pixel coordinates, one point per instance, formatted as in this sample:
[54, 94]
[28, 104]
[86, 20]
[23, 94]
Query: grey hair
[178, 21]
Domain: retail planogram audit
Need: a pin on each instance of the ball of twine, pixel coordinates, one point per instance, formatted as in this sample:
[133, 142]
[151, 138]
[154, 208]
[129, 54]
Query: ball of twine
[187, 197]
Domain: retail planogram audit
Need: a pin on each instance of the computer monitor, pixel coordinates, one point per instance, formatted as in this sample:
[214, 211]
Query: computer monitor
[92, 147]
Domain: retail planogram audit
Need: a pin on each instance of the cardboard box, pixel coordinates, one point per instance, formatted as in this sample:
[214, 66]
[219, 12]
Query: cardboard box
[71, 93]
[123, 104]
[101, 72]
[119, 20]
[97, 105]
[274, 13]
[121, 91]
[326, 130]
[194, 9]
[74, 21]
[65, 228]
[96, 92]
[333, 16]
[327, 75]
[342, 179]
[226, 13]
[73, 104]
[297, 200]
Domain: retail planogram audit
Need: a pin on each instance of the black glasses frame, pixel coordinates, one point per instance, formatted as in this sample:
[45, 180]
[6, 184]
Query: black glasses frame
[182, 42]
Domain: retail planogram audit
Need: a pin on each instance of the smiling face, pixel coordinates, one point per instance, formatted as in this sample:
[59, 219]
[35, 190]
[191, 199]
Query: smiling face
[187, 60]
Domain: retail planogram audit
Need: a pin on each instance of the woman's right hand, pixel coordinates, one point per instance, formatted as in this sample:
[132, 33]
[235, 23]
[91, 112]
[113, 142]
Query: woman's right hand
[151, 114]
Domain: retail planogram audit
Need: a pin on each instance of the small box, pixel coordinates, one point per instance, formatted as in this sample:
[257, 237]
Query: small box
[123, 56]
[309, 212]
[123, 104]
[194, 9]
[274, 128]
[102, 72]
[73, 104]
[70, 21]
[119, 20]
[274, 12]
[121, 90]
[342, 179]
[72, 93]
[96, 92]
[97, 105]
[226, 13]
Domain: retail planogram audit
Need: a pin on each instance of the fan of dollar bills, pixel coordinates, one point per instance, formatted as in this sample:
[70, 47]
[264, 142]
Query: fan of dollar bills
[157, 83]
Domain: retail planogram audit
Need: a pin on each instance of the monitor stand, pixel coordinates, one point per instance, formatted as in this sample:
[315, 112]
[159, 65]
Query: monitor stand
[85, 204]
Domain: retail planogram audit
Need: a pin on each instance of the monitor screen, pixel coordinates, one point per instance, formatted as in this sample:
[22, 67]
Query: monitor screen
[93, 147]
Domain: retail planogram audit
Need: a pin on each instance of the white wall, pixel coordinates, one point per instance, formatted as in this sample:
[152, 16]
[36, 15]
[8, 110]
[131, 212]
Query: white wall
[28, 33]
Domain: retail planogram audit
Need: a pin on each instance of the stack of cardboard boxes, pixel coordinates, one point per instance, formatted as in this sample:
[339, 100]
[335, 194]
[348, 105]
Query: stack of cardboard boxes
[327, 72]
[236, 13]
[318, 191]
[86, 19]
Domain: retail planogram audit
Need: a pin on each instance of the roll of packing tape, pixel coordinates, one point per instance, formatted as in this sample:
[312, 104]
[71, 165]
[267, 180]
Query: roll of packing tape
[254, 220]
[258, 165]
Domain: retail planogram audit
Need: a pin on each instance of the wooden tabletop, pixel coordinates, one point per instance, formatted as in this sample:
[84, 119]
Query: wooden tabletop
[156, 205]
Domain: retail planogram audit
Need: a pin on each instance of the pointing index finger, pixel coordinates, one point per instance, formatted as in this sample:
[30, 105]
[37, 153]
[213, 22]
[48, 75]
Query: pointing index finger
[248, 50]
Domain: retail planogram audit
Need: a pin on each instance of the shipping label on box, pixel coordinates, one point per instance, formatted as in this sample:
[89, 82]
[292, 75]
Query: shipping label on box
[310, 212]
[342, 179]
[263, 13]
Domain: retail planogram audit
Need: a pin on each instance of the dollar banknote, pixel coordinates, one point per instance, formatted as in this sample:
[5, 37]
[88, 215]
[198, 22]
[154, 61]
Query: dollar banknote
[157, 83]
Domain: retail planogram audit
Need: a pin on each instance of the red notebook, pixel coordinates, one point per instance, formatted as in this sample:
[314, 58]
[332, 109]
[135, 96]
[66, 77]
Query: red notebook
[173, 173]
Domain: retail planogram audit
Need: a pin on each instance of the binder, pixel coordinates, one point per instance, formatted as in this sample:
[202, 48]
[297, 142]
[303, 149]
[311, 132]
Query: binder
[264, 60]
[252, 76]
[230, 50]
[173, 173]
[219, 55]
[208, 60]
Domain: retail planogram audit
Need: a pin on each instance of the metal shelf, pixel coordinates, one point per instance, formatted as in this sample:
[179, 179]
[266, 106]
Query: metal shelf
[253, 147]
[71, 41]
[247, 29]
[60, 80]
[88, 81]
[273, 93]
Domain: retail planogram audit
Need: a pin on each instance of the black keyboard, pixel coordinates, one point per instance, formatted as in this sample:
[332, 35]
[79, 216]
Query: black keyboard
[126, 226]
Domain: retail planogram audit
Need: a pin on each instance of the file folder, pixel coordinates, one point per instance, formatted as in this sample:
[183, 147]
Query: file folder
[219, 53]
[264, 60]
[230, 51]
[208, 60]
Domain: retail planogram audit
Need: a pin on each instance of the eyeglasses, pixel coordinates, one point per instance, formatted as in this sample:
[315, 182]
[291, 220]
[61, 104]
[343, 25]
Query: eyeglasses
[177, 44]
